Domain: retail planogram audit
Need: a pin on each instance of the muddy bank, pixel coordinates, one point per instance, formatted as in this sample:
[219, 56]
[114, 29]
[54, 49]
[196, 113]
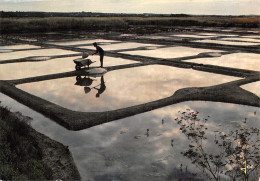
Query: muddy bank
[33, 155]
[57, 157]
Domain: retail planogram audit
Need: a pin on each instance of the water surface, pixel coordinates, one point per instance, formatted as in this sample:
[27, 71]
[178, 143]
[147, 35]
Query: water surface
[248, 61]
[243, 39]
[251, 37]
[58, 65]
[215, 34]
[192, 36]
[28, 53]
[125, 150]
[20, 46]
[170, 52]
[123, 88]
[253, 87]
[119, 46]
[78, 42]
[226, 42]
[155, 37]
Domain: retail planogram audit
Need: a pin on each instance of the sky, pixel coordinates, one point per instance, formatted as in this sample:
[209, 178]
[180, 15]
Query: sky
[197, 7]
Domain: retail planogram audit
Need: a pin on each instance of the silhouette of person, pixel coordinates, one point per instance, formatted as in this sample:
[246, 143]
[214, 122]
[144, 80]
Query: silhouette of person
[101, 53]
[102, 87]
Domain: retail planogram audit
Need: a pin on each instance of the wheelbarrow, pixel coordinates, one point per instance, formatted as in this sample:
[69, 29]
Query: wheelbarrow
[82, 62]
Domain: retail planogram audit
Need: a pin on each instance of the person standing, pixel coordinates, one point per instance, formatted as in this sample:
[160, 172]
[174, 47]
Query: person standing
[101, 53]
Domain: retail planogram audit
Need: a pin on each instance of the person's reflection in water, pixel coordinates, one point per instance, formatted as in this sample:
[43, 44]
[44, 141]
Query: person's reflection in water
[102, 87]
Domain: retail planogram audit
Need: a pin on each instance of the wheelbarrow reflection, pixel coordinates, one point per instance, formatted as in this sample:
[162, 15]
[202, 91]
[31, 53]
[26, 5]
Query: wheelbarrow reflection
[86, 82]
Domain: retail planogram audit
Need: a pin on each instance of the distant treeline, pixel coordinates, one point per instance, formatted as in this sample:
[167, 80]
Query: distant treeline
[21, 14]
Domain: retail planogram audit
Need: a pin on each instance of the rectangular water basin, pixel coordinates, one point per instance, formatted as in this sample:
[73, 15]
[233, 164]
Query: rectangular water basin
[28, 53]
[192, 36]
[154, 37]
[82, 42]
[243, 39]
[226, 42]
[253, 87]
[249, 61]
[31, 69]
[251, 37]
[215, 34]
[121, 88]
[15, 47]
[170, 52]
[119, 46]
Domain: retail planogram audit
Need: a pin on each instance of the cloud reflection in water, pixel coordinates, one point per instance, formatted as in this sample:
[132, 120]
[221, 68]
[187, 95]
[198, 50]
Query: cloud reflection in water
[127, 87]
[170, 52]
[111, 150]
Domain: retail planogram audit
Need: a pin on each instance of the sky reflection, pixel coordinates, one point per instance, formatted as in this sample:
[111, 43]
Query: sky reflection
[226, 42]
[192, 36]
[82, 42]
[249, 61]
[243, 39]
[15, 47]
[31, 69]
[121, 149]
[58, 65]
[119, 46]
[122, 88]
[171, 52]
[253, 87]
[214, 34]
[28, 53]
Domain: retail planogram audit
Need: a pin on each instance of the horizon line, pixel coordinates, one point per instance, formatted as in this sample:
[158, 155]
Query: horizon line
[129, 13]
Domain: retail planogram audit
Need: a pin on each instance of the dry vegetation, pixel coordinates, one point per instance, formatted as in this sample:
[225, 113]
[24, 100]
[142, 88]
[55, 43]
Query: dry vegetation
[255, 20]
[118, 23]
